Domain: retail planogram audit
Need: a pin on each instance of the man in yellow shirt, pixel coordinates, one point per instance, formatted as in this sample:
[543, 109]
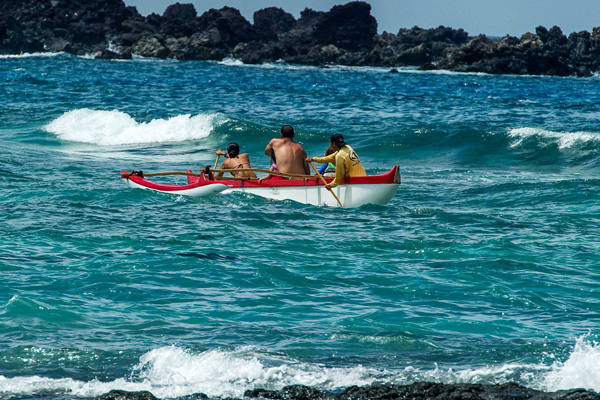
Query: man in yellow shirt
[346, 161]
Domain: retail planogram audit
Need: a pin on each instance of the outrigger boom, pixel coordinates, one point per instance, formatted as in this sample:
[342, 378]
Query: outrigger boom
[306, 189]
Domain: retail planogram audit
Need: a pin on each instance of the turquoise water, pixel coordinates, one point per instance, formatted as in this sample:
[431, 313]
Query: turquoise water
[483, 268]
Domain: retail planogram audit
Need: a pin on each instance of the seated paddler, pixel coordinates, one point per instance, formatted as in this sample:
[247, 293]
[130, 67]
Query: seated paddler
[346, 160]
[328, 169]
[235, 160]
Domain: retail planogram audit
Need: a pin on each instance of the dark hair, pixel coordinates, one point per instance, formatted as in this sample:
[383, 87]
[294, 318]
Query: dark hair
[233, 149]
[287, 131]
[329, 151]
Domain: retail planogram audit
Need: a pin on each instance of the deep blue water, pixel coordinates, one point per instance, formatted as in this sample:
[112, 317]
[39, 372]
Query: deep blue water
[483, 268]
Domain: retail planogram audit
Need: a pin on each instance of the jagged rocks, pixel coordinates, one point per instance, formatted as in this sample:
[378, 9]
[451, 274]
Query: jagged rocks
[272, 22]
[124, 395]
[415, 391]
[424, 390]
[346, 35]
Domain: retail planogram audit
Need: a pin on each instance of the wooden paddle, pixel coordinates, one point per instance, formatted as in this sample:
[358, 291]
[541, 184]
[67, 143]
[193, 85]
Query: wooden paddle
[217, 161]
[325, 183]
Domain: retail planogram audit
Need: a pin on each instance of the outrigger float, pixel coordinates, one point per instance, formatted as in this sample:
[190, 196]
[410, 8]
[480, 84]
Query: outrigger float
[306, 189]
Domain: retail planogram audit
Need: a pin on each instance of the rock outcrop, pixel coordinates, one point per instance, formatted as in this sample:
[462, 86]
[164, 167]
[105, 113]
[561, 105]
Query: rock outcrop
[345, 35]
[416, 391]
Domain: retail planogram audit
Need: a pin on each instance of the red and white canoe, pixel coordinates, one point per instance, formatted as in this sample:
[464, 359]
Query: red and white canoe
[352, 192]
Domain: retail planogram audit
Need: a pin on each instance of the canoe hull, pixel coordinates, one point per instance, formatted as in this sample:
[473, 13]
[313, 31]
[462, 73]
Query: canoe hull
[197, 191]
[352, 192]
[349, 195]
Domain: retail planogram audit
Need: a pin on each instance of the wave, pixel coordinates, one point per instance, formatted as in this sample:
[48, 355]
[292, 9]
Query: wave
[564, 140]
[476, 145]
[173, 371]
[116, 127]
[581, 370]
[235, 62]
[231, 61]
[29, 55]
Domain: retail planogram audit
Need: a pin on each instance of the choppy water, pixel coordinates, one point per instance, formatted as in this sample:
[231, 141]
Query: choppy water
[483, 268]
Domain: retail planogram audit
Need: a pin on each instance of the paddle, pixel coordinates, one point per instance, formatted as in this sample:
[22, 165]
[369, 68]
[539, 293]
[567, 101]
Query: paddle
[217, 161]
[325, 183]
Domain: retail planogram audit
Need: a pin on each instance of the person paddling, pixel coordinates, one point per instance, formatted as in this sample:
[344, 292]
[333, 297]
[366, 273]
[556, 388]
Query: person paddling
[347, 163]
[328, 169]
[235, 160]
[289, 155]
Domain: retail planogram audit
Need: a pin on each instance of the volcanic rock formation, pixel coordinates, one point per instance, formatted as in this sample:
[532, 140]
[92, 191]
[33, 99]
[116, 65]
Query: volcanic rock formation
[345, 35]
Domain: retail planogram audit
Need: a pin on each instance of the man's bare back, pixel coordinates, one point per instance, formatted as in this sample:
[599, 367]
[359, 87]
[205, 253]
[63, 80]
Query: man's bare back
[289, 155]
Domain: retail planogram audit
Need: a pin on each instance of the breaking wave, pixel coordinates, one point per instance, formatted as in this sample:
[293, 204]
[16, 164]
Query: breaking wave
[564, 140]
[116, 127]
[173, 371]
[580, 370]
[29, 55]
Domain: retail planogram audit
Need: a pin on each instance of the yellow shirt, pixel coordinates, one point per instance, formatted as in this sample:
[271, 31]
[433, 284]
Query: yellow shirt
[346, 164]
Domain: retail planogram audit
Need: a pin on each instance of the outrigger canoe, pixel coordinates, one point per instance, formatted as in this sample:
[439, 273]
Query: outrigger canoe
[352, 192]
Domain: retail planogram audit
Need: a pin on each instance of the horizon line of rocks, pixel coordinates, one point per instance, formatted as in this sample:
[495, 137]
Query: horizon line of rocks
[345, 35]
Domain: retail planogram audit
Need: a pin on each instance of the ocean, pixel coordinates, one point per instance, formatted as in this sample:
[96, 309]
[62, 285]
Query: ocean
[483, 268]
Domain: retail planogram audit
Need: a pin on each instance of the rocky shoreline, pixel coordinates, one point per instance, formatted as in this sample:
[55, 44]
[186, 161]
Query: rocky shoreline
[416, 391]
[345, 35]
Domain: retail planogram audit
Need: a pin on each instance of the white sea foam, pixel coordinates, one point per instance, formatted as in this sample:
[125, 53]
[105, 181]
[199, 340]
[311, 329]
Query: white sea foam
[562, 139]
[581, 370]
[28, 55]
[234, 62]
[342, 68]
[173, 371]
[116, 127]
[230, 373]
[89, 56]
[231, 61]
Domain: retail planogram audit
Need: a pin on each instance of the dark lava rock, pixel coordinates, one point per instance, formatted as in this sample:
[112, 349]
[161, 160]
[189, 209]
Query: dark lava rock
[232, 27]
[350, 26]
[273, 21]
[346, 35]
[195, 396]
[124, 395]
[182, 12]
[423, 391]
[111, 55]
[296, 392]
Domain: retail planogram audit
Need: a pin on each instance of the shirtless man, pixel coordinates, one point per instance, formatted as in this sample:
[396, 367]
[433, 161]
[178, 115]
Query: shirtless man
[289, 155]
[235, 160]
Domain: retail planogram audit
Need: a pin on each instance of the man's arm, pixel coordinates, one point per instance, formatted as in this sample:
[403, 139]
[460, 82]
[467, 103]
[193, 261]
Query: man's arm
[340, 171]
[326, 159]
[306, 168]
[269, 150]
[219, 175]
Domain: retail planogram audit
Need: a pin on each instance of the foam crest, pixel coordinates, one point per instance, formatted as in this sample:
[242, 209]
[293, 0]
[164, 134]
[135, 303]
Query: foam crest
[172, 371]
[177, 372]
[37, 385]
[231, 61]
[116, 127]
[29, 55]
[580, 370]
[563, 139]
